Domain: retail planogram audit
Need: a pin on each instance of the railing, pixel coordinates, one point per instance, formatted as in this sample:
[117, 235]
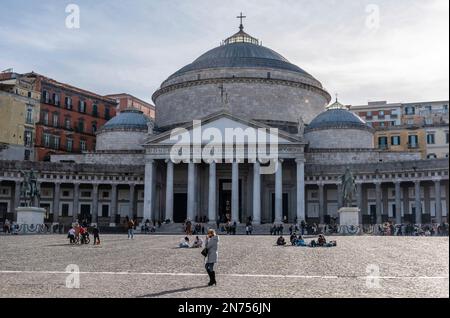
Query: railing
[46, 228]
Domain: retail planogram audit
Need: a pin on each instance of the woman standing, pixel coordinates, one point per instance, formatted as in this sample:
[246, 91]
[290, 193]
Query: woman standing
[212, 245]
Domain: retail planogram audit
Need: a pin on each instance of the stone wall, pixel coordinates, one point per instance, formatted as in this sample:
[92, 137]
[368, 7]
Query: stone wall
[120, 140]
[12, 152]
[258, 100]
[336, 156]
[340, 138]
[242, 72]
[108, 158]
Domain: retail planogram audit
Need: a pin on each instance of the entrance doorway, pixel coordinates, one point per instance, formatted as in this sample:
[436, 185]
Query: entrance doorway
[48, 218]
[3, 211]
[85, 213]
[285, 206]
[179, 207]
[373, 214]
[225, 197]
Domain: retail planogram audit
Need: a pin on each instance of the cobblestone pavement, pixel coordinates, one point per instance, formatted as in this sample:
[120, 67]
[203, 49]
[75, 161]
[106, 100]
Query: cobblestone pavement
[152, 266]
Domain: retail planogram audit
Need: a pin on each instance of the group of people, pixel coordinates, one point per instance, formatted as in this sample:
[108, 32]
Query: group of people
[193, 229]
[10, 228]
[300, 241]
[277, 229]
[185, 243]
[79, 234]
[210, 252]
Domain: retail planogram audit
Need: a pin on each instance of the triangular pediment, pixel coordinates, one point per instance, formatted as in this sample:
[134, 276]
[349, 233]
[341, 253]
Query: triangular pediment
[227, 127]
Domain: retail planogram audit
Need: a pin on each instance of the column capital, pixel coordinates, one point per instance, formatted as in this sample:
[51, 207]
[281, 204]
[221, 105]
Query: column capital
[211, 161]
[300, 161]
[168, 161]
[398, 181]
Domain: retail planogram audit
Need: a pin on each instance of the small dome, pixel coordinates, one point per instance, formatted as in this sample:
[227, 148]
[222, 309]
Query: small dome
[128, 119]
[337, 118]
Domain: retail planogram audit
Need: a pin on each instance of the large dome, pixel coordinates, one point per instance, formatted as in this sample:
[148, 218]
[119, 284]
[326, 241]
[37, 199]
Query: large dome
[240, 55]
[249, 80]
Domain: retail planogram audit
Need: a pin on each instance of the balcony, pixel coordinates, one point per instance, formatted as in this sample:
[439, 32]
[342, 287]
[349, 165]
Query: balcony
[413, 146]
[383, 147]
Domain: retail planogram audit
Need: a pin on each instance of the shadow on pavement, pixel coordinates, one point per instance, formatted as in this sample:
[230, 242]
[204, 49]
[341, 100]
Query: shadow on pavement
[174, 291]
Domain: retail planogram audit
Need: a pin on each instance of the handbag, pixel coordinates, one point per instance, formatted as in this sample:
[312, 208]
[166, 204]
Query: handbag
[205, 252]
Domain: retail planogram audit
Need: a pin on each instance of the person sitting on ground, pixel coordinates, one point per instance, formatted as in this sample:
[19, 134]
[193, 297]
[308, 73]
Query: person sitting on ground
[281, 241]
[184, 243]
[293, 239]
[71, 235]
[198, 243]
[300, 241]
[321, 241]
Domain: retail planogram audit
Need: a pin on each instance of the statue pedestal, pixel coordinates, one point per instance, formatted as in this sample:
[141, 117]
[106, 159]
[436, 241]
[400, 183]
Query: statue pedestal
[31, 217]
[349, 216]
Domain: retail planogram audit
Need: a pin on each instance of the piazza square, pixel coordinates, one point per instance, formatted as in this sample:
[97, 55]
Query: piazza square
[249, 267]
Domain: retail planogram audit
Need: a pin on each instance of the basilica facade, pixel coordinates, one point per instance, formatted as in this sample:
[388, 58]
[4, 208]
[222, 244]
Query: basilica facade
[158, 169]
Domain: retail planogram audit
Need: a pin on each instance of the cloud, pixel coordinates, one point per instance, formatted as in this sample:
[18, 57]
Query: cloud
[134, 46]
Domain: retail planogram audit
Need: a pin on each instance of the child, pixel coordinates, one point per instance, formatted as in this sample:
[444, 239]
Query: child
[96, 233]
[71, 235]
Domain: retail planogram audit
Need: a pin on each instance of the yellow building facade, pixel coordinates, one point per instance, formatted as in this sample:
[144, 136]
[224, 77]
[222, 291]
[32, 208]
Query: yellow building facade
[413, 139]
[19, 112]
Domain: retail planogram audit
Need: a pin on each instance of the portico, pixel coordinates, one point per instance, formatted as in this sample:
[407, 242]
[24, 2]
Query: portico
[227, 186]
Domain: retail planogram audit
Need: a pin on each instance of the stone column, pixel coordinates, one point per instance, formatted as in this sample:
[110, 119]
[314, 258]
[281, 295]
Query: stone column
[359, 201]
[418, 202]
[256, 192]
[191, 191]
[437, 200]
[379, 202]
[37, 202]
[113, 206]
[76, 201]
[212, 213]
[235, 192]
[398, 203]
[148, 190]
[340, 199]
[301, 214]
[321, 203]
[131, 199]
[279, 192]
[16, 198]
[169, 191]
[94, 204]
[56, 196]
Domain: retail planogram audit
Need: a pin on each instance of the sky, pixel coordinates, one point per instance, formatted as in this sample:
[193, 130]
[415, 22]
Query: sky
[364, 50]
